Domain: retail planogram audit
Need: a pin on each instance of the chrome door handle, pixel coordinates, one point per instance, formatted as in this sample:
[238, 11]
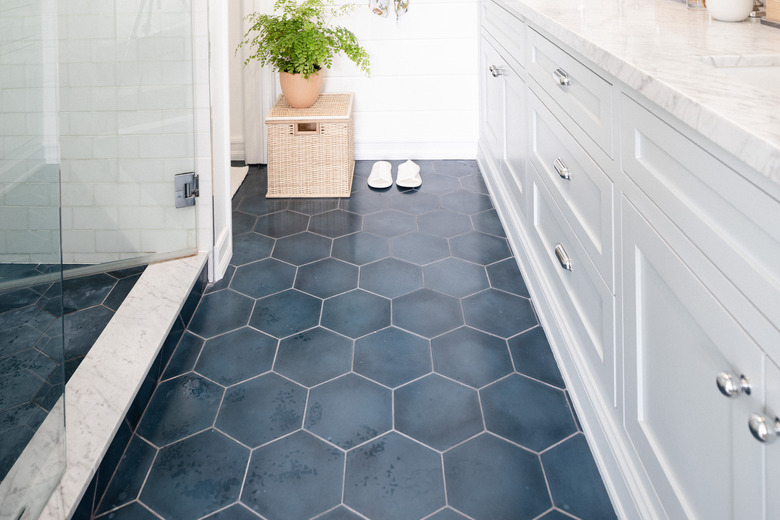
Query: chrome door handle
[763, 428]
[562, 169]
[732, 385]
[561, 77]
[563, 257]
[495, 71]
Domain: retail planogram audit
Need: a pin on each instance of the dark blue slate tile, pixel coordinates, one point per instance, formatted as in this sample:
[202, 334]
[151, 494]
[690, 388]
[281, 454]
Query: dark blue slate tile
[82, 328]
[30, 316]
[466, 202]
[487, 467]
[17, 271]
[336, 223]
[132, 511]
[281, 224]
[120, 292]
[444, 223]
[456, 168]
[447, 514]
[573, 411]
[85, 506]
[111, 460]
[223, 283]
[294, 478]
[488, 222]
[14, 442]
[243, 222]
[439, 184]
[262, 409]
[555, 515]
[480, 248]
[128, 272]
[574, 480]
[314, 356]
[259, 205]
[356, 313]
[16, 416]
[505, 275]
[533, 357]
[29, 326]
[236, 356]
[455, 277]
[340, 513]
[349, 411]
[170, 343]
[392, 357]
[389, 223]
[144, 394]
[471, 357]
[474, 182]
[221, 312]
[361, 248]
[17, 299]
[527, 412]
[184, 357]
[327, 277]
[391, 277]
[427, 313]
[234, 512]
[80, 293]
[180, 407]
[196, 476]
[250, 247]
[499, 313]
[302, 248]
[262, 278]
[128, 476]
[414, 202]
[394, 478]
[367, 202]
[193, 299]
[286, 313]
[437, 412]
[313, 206]
[419, 248]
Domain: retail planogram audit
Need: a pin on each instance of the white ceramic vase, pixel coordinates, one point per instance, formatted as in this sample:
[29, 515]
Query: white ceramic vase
[729, 10]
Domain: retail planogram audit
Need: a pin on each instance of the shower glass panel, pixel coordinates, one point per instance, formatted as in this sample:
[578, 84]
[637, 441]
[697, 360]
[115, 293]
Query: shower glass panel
[32, 423]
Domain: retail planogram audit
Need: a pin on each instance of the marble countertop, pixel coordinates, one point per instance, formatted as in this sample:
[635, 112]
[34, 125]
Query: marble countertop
[721, 78]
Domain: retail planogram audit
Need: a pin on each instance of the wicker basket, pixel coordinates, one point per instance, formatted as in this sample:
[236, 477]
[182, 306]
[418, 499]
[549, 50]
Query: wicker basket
[311, 151]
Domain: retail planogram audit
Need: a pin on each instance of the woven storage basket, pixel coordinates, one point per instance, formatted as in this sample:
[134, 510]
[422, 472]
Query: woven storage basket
[311, 151]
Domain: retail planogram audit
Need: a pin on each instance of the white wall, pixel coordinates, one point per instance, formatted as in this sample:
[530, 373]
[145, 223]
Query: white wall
[421, 99]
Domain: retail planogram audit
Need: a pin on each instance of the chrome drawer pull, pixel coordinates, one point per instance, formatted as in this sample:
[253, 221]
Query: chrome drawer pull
[561, 77]
[563, 258]
[732, 385]
[562, 169]
[764, 429]
[495, 71]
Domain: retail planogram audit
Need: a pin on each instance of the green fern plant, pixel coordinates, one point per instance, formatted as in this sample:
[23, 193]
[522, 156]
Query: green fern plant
[300, 39]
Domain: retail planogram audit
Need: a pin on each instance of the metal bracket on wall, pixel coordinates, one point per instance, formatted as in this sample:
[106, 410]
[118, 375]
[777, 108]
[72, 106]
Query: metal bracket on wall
[187, 188]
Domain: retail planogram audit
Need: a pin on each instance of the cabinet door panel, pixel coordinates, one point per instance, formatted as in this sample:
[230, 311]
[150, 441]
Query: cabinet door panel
[492, 100]
[772, 409]
[513, 165]
[692, 439]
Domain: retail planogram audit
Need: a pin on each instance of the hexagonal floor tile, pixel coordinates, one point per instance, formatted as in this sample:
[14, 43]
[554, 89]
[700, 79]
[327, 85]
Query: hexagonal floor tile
[471, 357]
[184, 356]
[533, 357]
[440, 184]
[447, 514]
[437, 411]
[414, 202]
[180, 407]
[455, 277]
[356, 313]
[369, 201]
[527, 412]
[361, 248]
[182, 482]
[389, 223]
[313, 206]
[234, 512]
[574, 480]
[336, 223]
[391, 277]
[466, 202]
[242, 222]
[286, 313]
[220, 312]
[236, 356]
[505, 275]
[262, 278]
[488, 222]
[444, 223]
[474, 182]
[328, 277]
[392, 357]
[302, 248]
[479, 248]
[296, 477]
[250, 247]
[498, 313]
[349, 411]
[262, 409]
[427, 313]
[314, 356]
[128, 479]
[456, 168]
[393, 478]
[281, 224]
[259, 205]
[487, 467]
[419, 248]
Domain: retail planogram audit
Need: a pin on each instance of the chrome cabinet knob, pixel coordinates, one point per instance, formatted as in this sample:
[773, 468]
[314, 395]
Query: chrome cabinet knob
[764, 428]
[732, 385]
[561, 77]
[495, 71]
[563, 258]
[561, 168]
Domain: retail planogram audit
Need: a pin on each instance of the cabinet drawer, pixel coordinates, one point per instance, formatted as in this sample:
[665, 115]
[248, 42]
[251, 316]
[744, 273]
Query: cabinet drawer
[507, 30]
[582, 190]
[585, 95]
[734, 223]
[584, 303]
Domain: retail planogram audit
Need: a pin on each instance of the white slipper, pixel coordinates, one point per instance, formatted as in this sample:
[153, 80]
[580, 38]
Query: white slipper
[381, 175]
[408, 175]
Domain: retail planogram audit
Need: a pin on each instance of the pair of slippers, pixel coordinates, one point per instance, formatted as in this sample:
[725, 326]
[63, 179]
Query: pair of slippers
[381, 175]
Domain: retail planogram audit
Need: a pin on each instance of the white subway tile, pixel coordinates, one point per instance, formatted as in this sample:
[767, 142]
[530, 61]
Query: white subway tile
[93, 123]
[165, 240]
[166, 146]
[95, 218]
[161, 97]
[44, 218]
[72, 147]
[14, 218]
[159, 194]
[117, 194]
[117, 241]
[29, 242]
[78, 241]
[142, 218]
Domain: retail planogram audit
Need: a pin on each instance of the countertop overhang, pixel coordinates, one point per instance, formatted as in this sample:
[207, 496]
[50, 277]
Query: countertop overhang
[683, 61]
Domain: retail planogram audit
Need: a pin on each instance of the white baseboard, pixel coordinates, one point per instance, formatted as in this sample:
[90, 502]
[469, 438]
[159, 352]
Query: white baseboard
[223, 250]
[415, 150]
[237, 150]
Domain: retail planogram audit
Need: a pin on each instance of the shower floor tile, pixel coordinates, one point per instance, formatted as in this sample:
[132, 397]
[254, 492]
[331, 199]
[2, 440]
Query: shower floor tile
[375, 358]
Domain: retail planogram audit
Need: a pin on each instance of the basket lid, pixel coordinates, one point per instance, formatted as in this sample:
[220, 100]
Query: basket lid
[328, 107]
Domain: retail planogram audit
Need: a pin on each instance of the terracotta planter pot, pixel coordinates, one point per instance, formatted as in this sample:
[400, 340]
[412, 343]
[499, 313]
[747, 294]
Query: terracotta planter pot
[298, 91]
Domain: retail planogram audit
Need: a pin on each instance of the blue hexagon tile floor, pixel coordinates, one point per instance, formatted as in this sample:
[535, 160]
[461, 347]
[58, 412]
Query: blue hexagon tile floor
[376, 357]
